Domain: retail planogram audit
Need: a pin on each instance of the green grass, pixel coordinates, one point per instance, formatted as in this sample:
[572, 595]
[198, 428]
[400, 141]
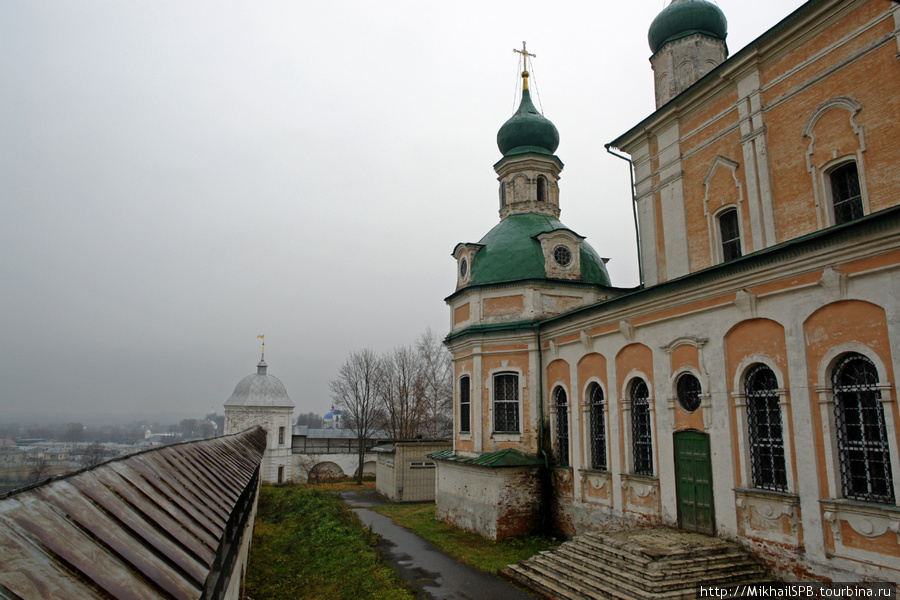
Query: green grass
[308, 545]
[469, 548]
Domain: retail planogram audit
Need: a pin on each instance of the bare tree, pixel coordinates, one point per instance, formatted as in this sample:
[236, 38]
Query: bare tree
[354, 394]
[400, 393]
[94, 454]
[311, 420]
[437, 384]
[39, 470]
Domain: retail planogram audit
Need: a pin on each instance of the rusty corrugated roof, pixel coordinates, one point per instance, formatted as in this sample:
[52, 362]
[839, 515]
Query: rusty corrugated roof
[144, 527]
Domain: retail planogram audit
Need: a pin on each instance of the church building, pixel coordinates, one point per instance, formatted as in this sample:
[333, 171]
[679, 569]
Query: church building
[746, 389]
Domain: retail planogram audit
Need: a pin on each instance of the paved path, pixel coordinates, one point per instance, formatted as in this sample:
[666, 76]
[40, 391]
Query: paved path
[436, 575]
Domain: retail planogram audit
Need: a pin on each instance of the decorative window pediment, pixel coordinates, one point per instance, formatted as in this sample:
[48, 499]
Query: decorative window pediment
[464, 255]
[562, 253]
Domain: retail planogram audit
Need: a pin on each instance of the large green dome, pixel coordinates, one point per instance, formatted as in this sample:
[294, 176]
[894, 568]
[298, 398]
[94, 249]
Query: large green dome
[685, 17]
[512, 252]
[527, 131]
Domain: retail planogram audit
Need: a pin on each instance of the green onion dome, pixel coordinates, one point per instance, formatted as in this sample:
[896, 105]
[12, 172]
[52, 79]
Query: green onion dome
[685, 17]
[527, 131]
[512, 252]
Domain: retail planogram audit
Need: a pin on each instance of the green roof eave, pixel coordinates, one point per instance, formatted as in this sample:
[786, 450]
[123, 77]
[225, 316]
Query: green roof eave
[498, 459]
[514, 327]
[879, 221]
[687, 94]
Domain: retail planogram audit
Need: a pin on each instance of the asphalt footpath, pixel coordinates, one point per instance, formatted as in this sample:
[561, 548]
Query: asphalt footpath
[436, 575]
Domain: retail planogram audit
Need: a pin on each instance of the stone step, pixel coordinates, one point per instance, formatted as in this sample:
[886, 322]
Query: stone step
[680, 569]
[737, 572]
[629, 584]
[701, 547]
[655, 571]
[644, 564]
[547, 586]
[615, 588]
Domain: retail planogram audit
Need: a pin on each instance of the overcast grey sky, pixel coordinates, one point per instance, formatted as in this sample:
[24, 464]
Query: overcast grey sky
[179, 177]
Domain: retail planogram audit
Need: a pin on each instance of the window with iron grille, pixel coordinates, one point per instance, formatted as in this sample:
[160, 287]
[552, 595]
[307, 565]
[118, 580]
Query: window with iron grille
[846, 197]
[562, 427]
[730, 234]
[465, 405]
[562, 255]
[862, 440]
[641, 434]
[766, 436]
[688, 390]
[506, 403]
[598, 428]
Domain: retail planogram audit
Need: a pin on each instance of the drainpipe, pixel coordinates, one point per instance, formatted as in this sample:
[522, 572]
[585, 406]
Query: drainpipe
[637, 231]
[537, 329]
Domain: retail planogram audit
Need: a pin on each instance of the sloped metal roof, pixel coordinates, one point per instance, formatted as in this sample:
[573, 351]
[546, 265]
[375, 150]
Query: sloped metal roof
[146, 526]
[500, 458]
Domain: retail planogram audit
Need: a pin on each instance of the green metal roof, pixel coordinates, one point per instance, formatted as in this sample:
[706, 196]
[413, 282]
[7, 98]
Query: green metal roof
[512, 252]
[500, 458]
[685, 17]
[527, 131]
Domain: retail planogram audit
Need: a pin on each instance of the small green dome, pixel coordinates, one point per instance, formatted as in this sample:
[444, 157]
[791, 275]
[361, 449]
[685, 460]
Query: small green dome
[512, 252]
[684, 17]
[527, 131]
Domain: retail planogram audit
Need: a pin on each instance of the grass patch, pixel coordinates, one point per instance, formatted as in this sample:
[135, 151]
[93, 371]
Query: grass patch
[308, 545]
[469, 548]
[348, 485]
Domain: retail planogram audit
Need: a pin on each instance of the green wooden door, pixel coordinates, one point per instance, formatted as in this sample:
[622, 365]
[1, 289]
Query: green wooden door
[693, 477]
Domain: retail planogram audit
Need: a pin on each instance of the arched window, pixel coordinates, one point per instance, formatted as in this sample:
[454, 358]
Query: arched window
[562, 427]
[862, 440]
[465, 405]
[506, 403]
[730, 234]
[846, 196]
[502, 195]
[688, 390]
[641, 434]
[598, 428]
[541, 189]
[766, 436]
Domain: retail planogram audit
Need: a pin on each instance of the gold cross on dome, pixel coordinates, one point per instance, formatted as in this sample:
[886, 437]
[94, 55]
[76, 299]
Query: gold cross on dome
[525, 54]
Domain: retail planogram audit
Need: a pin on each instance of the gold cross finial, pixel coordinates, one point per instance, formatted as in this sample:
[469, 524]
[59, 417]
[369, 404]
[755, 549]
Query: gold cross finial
[525, 54]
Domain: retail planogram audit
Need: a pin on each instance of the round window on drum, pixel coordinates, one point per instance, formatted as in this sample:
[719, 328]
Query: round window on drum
[562, 255]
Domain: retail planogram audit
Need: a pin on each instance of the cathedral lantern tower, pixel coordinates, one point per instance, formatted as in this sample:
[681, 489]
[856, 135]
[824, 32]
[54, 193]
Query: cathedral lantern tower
[688, 41]
[529, 171]
[529, 245]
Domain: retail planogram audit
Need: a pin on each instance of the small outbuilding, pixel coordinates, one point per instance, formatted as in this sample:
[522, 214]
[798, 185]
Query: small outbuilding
[404, 473]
